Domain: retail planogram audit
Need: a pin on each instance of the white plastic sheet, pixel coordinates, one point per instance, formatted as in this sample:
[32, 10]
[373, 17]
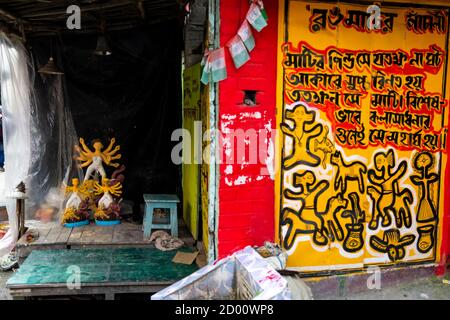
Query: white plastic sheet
[38, 136]
[52, 142]
[244, 275]
[16, 94]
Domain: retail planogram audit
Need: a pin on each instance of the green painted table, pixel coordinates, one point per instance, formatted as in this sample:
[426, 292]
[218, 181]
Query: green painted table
[100, 271]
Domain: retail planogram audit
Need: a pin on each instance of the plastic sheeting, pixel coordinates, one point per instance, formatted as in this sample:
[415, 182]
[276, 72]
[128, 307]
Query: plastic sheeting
[53, 140]
[38, 136]
[16, 93]
[245, 275]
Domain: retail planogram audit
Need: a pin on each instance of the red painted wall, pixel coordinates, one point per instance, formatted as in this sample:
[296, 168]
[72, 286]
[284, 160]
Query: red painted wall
[246, 215]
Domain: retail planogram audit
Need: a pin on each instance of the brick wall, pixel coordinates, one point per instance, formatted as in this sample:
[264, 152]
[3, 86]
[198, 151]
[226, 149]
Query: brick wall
[246, 198]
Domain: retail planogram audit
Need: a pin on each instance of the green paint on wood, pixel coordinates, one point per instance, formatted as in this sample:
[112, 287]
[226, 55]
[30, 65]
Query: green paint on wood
[101, 265]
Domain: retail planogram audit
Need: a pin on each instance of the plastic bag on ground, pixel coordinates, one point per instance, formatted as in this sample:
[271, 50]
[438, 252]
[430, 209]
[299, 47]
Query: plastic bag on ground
[245, 275]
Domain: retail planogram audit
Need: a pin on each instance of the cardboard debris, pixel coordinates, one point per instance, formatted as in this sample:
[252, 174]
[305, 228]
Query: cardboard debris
[185, 257]
[201, 260]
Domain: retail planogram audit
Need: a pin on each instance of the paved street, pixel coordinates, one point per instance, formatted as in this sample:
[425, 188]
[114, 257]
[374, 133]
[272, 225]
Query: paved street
[4, 276]
[431, 288]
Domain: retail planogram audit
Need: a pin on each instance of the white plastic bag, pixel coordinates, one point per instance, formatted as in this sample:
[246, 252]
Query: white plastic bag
[244, 275]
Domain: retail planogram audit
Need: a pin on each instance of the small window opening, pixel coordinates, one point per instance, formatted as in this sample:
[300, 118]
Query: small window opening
[250, 98]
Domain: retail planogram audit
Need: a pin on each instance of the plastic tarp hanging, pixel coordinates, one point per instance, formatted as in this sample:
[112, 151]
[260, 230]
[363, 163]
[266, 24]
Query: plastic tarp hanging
[16, 93]
[38, 136]
[53, 140]
[245, 275]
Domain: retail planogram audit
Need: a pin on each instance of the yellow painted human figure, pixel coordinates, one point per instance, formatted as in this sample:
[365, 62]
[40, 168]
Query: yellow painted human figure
[108, 190]
[74, 200]
[385, 188]
[307, 219]
[94, 160]
[73, 203]
[304, 130]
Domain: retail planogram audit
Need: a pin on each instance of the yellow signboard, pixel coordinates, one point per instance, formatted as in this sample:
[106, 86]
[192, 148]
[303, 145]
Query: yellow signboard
[363, 118]
[191, 172]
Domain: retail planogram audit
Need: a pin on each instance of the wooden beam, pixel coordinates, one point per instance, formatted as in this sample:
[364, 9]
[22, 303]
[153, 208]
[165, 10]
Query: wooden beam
[84, 9]
[141, 9]
[8, 15]
[38, 22]
[43, 30]
[17, 23]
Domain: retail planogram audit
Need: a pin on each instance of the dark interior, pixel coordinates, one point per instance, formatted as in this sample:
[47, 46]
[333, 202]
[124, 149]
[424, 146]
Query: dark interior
[133, 95]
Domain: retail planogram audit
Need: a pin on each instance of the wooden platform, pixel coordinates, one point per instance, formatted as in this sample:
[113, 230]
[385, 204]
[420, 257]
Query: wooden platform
[54, 236]
[100, 271]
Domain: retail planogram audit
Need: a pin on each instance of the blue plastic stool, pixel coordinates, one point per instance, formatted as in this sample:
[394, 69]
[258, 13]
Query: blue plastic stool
[160, 201]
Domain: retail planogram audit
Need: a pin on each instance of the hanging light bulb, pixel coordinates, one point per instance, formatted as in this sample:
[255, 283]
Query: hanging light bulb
[50, 68]
[103, 48]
